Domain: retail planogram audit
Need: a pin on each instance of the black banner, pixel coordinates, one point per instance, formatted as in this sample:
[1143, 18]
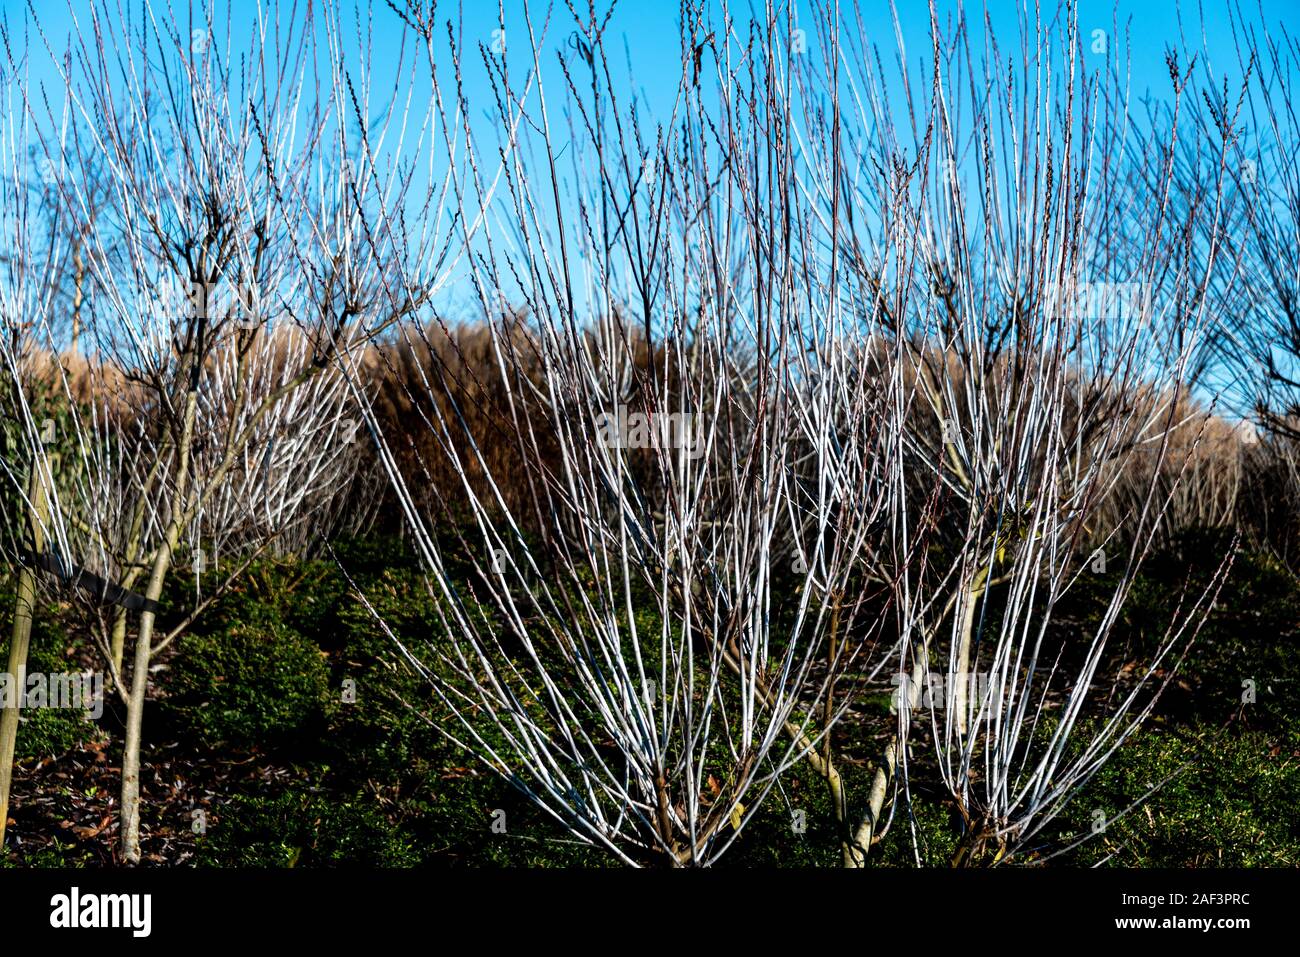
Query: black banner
[999, 908]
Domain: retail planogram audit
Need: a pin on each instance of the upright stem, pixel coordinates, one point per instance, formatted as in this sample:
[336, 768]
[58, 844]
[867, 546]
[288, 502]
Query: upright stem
[118, 647]
[143, 644]
[869, 826]
[835, 783]
[20, 641]
[135, 709]
[961, 680]
[78, 297]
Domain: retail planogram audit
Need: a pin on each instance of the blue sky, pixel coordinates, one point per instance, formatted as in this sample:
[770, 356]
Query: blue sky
[1138, 33]
[1142, 29]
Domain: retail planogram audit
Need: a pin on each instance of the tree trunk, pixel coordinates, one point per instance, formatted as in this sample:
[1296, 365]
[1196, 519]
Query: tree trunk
[78, 297]
[869, 826]
[118, 646]
[960, 682]
[130, 821]
[135, 712]
[20, 641]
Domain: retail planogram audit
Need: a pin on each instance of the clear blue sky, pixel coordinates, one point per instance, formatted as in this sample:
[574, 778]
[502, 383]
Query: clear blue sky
[649, 29]
[1138, 32]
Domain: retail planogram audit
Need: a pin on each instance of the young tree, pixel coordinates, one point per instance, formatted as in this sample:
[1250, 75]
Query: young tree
[28, 462]
[217, 329]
